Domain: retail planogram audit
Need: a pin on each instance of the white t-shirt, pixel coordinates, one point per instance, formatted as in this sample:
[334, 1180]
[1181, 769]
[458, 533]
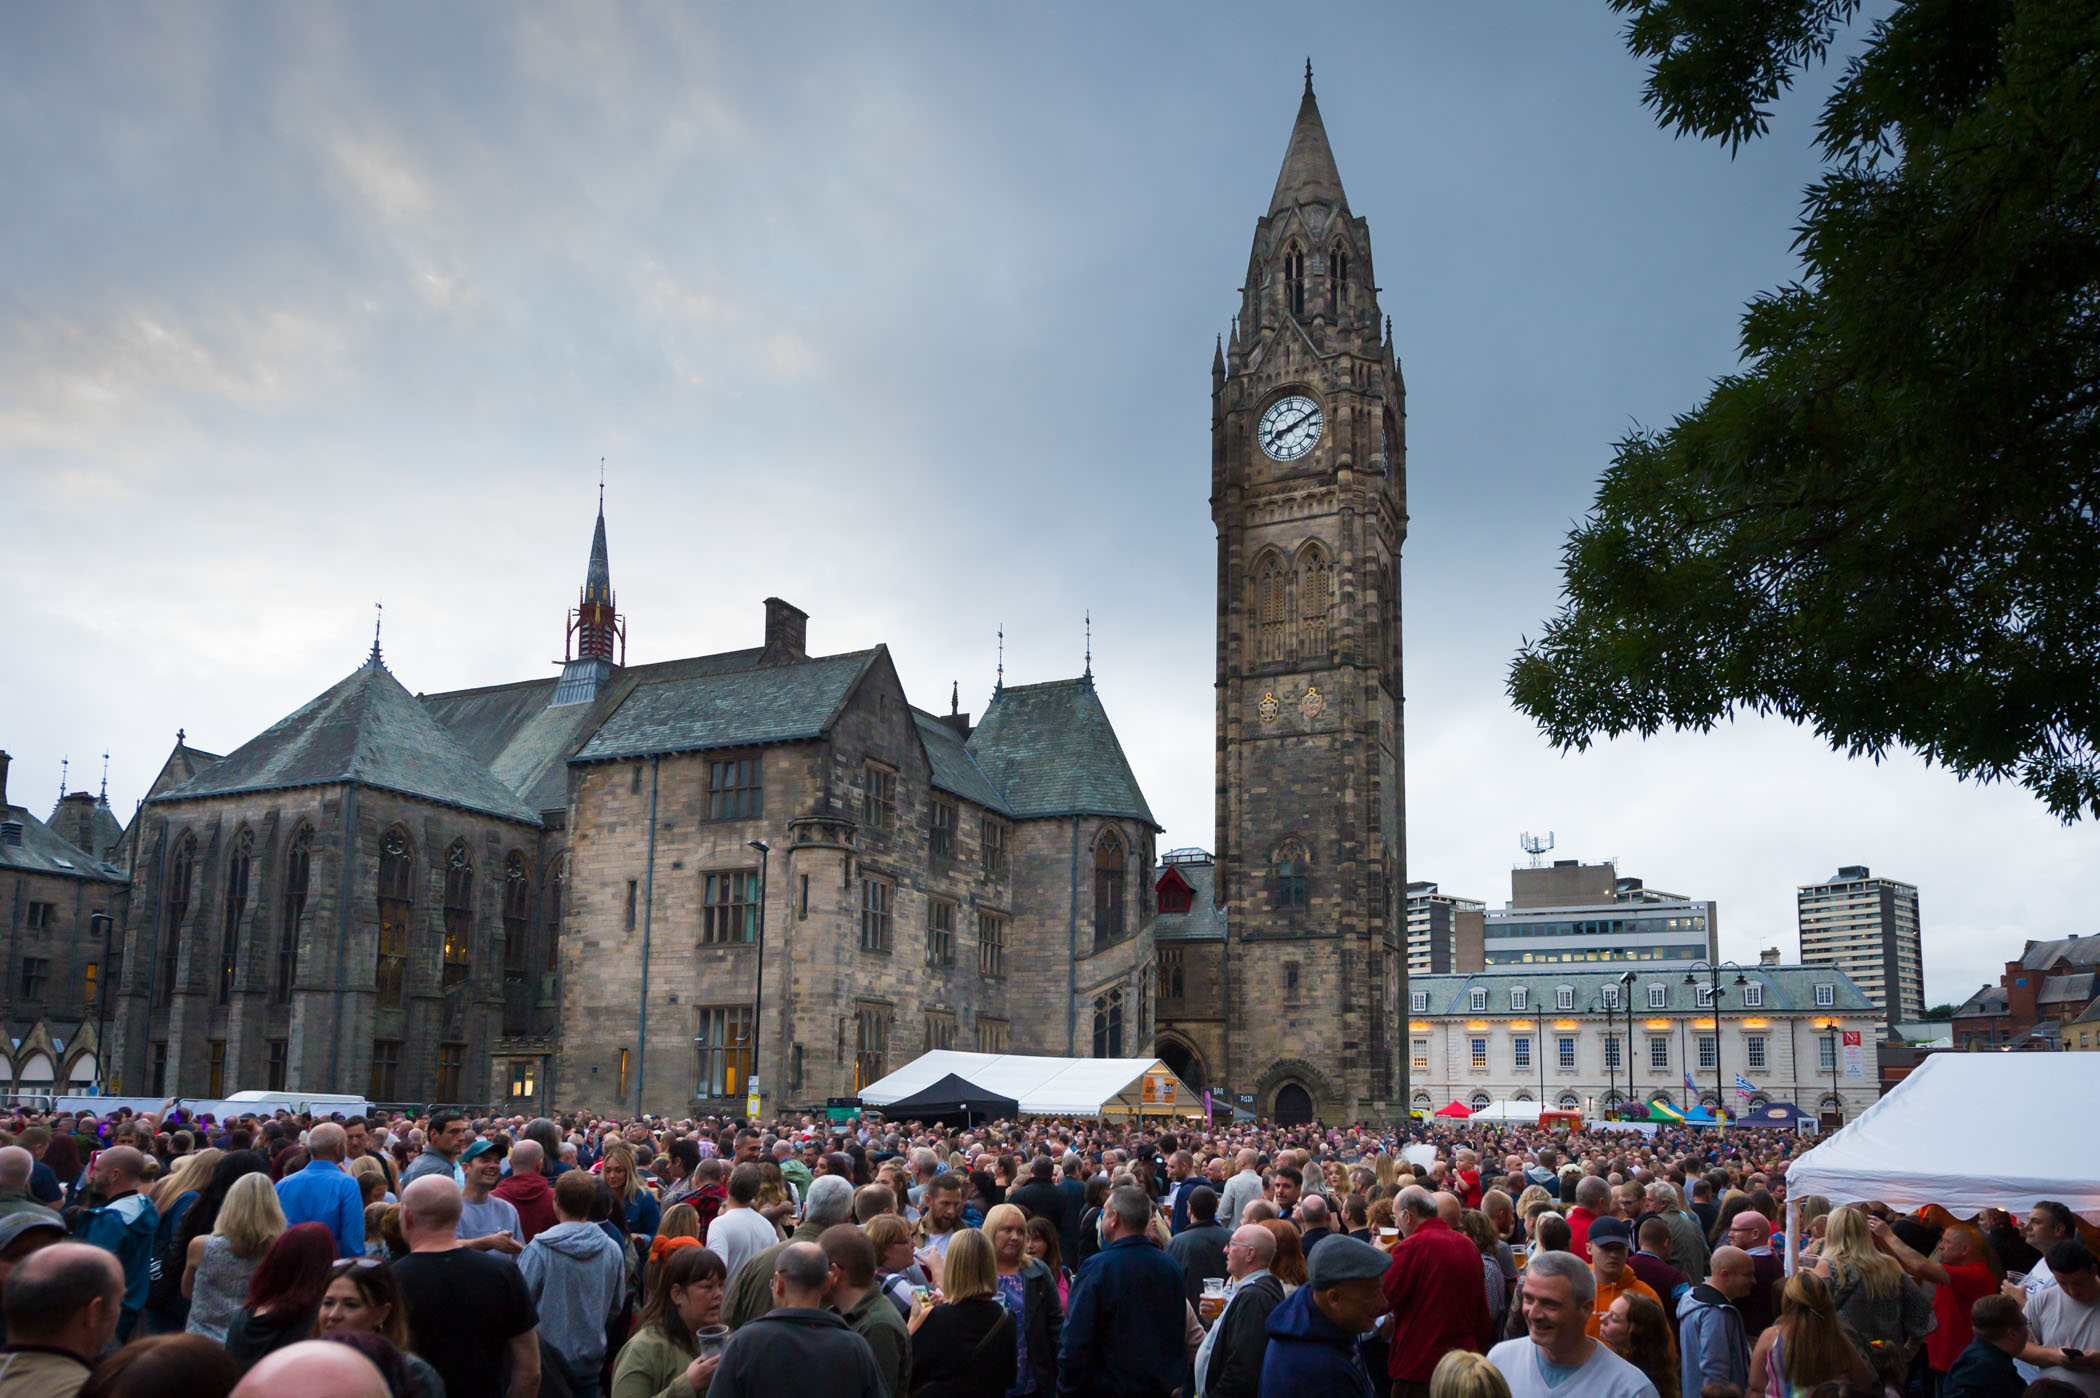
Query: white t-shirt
[1602, 1375]
[738, 1235]
[2055, 1320]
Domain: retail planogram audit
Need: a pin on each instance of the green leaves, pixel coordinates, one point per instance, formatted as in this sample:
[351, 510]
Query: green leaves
[1888, 525]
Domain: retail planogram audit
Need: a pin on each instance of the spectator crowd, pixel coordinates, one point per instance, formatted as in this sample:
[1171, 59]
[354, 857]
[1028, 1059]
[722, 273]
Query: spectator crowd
[449, 1256]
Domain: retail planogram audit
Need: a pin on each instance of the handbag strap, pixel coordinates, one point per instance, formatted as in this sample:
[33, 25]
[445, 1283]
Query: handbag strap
[998, 1328]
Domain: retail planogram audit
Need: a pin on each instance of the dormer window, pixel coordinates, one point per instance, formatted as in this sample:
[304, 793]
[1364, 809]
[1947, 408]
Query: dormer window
[1519, 998]
[1826, 995]
[1753, 996]
[1658, 997]
[1477, 998]
[1564, 997]
[1418, 1001]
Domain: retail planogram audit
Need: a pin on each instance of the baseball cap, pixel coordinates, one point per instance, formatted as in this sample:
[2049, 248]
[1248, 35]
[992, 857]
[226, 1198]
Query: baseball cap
[1339, 1258]
[1612, 1231]
[478, 1148]
[22, 1220]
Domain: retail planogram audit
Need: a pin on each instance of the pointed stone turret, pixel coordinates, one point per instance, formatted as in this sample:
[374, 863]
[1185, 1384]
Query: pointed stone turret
[1309, 174]
[597, 641]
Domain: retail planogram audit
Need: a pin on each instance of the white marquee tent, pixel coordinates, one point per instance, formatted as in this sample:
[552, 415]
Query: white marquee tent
[1049, 1086]
[1968, 1131]
[1508, 1110]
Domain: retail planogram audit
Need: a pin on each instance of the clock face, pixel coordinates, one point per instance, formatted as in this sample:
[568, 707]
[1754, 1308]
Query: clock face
[1290, 428]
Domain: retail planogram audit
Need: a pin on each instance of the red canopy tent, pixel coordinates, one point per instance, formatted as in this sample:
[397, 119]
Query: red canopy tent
[1454, 1110]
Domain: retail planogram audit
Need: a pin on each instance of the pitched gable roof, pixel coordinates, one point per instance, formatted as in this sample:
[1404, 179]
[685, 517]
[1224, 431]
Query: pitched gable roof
[739, 708]
[1051, 749]
[954, 769]
[44, 851]
[366, 729]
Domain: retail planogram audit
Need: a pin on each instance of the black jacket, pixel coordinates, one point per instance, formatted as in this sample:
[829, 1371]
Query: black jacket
[1041, 1199]
[956, 1353]
[1046, 1323]
[1984, 1371]
[794, 1349]
[1200, 1249]
[1243, 1340]
[250, 1337]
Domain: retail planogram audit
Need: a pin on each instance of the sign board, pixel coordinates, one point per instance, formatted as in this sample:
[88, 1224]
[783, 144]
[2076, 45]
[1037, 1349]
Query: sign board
[841, 1108]
[751, 1106]
[1852, 1054]
[1158, 1091]
[1246, 1099]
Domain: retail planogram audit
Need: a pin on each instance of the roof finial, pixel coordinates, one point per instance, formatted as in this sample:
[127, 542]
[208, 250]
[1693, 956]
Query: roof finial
[63, 764]
[999, 681]
[954, 697]
[378, 620]
[181, 736]
[105, 779]
[1089, 675]
[601, 485]
[1308, 75]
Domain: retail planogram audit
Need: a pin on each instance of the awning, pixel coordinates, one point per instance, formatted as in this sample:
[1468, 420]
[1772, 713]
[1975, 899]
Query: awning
[1044, 1086]
[953, 1099]
[1455, 1109]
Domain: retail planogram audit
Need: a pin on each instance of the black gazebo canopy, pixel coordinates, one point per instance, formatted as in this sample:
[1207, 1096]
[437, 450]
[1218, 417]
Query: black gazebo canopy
[953, 1099]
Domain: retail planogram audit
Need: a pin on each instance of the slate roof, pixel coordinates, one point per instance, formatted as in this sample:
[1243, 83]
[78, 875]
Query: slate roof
[954, 769]
[183, 764]
[770, 704]
[1787, 988]
[1988, 1000]
[44, 851]
[2078, 951]
[369, 730]
[1205, 920]
[1051, 749]
[87, 821]
[2073, 989]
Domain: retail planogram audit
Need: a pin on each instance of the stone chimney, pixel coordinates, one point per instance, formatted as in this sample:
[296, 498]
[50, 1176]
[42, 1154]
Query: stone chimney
[787, 633]
[1768, 957]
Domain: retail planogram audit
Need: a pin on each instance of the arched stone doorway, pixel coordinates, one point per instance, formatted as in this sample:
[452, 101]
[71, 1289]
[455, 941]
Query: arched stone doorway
[1294, 1105]
[1185, 1062]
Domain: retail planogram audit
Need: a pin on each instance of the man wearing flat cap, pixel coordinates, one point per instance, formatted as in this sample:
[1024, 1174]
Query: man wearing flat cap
[1312, 1335]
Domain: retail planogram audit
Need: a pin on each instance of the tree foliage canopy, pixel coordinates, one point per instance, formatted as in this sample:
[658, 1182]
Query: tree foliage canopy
[1887, 525]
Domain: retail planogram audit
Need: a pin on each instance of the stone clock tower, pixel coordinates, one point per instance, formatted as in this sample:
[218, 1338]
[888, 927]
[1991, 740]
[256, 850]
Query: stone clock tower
[1309, 494]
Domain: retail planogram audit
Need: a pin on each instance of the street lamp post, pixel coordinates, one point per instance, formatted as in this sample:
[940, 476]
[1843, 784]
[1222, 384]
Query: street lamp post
[1603, 1005]
[758, 993]
[104, 926]
[1715, 990]
[1626, 998]
[1837, 1103]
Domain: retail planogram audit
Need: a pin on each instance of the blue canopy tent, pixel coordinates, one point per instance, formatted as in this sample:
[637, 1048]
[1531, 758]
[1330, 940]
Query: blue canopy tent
[1701, 1116]
[1784, 1115]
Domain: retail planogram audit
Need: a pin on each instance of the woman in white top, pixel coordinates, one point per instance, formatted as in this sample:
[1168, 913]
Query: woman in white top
[217, 1267]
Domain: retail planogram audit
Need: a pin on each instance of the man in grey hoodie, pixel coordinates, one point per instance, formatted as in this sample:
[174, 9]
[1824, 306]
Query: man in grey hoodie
[1710, 1338]
[578, 1279]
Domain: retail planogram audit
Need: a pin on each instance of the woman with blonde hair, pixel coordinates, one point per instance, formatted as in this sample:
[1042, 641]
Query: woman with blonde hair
[966, 1344]
[188, 1176]
[637, 1205]
[1028, 1290]
[1806, 1346]
[1464, 1374]
[679, 1227]
[1388, 1172]
[1875, 1301]
[218, 1265]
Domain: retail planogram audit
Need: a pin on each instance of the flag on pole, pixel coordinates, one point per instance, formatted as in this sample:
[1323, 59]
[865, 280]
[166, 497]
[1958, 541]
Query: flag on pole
[1688, 1084]
[1742, 1086]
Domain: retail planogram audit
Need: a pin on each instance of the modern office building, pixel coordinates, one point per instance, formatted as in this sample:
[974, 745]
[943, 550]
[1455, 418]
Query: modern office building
[1572, 912]
[1867, 928]
[1443, 931]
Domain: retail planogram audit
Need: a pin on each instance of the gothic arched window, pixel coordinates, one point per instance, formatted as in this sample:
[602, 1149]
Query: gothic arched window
[1315, 594]
[298, 871]
[459, 914]
[1108, 1025]
[1293, 883]
[1294, 279]
[517, 919]
[182, 873]
[1337, 279]
[397, 882]
[1109, 865]
[1271, 610]
[236, 905]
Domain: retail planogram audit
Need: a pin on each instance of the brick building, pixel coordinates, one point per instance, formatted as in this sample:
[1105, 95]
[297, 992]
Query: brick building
[2051, 985]
[1308, 493]
[555, 892]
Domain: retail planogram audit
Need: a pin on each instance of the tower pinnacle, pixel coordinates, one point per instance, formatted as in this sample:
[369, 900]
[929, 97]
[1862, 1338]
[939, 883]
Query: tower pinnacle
[1309, 175]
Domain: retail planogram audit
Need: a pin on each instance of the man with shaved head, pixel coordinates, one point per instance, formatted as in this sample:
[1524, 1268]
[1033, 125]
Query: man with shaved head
[324, 1193]
[1228, 1364]
[469, 1313]
[1713, 1342]
[62, 1305]
[321, 1367]
[124, 1226]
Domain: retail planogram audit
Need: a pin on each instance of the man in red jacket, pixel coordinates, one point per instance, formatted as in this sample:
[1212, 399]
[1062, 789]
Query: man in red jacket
[1592, 1200]
[526, 1191]
[1436, 1289]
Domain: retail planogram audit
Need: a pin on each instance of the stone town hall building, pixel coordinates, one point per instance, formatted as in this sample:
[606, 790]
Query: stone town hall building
[649, 884]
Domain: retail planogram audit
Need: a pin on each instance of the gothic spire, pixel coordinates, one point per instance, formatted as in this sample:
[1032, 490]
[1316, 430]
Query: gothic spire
[1309, 175]
[596, 630]
[597, 579]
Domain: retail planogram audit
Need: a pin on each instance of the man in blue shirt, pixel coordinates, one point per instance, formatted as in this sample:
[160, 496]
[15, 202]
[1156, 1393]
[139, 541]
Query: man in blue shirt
[324, 1193]
[1124, 1330]
[124, 1225]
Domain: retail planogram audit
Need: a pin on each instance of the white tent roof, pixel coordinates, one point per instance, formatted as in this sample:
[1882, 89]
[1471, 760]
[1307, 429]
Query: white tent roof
[1508, 1111]
[1969, 1131]
[1043, 1086]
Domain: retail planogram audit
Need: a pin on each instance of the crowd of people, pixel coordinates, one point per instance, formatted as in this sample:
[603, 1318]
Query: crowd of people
[447, 1256]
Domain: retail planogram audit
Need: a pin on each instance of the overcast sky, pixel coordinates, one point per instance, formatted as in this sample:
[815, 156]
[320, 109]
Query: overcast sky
[903, 312]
